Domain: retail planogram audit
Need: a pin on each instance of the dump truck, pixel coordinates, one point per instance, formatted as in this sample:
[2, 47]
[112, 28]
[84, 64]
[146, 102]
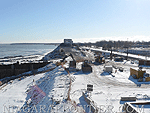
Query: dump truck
[86, 67]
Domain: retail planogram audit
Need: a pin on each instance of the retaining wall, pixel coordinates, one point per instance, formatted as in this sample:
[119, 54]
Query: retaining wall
[16, 69]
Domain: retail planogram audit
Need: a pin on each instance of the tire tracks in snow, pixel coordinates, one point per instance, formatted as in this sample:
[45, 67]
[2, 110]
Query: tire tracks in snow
[96, 79]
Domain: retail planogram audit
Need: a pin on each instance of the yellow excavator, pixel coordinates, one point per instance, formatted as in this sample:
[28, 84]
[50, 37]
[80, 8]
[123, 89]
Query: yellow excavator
[71, 64]
[100, 59]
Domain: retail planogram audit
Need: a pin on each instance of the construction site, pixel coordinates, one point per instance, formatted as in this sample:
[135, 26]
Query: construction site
[84, 77]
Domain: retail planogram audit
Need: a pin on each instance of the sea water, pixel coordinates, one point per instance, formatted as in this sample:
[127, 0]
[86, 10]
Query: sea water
[9, 50]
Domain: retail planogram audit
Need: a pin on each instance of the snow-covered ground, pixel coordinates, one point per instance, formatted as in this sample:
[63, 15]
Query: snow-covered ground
[21, 59]
[17, 96]
[119, 53]
[58, 91]
[108, 90]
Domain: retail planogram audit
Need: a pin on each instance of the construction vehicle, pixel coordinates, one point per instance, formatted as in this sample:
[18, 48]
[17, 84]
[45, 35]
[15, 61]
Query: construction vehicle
[72, 64]
[99, 59]
[63, 60]
[86, 67]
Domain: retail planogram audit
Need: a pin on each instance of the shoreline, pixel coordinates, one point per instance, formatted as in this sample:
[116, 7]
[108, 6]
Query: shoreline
[12, 51]
[18, 66]
[24, 58]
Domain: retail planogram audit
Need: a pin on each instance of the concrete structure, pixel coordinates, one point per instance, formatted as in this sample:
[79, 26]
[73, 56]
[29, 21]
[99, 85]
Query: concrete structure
[68, 41]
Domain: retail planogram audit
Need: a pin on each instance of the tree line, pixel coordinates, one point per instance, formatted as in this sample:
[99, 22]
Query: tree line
[116, 44]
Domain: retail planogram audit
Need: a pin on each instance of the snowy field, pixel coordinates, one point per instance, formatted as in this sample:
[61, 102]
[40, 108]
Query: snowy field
[59, 91]
[108, 90]
[16, 95]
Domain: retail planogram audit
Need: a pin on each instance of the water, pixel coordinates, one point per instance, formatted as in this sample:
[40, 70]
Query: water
[7, 50]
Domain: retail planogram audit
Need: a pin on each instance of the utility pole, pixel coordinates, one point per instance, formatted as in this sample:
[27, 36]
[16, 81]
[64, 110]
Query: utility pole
[127, 49]
[127, 53]
[111, 54]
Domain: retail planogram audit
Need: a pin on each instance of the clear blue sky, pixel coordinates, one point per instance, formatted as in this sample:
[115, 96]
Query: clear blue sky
[82, 20]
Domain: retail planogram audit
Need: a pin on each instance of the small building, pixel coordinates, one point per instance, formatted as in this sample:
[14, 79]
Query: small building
[108, 69]
[68, 42]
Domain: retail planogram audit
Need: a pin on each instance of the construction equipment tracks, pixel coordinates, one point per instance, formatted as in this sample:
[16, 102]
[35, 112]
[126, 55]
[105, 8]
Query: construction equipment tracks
[96, 79]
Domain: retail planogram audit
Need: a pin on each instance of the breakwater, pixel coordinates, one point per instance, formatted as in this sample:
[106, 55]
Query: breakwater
[16, 68]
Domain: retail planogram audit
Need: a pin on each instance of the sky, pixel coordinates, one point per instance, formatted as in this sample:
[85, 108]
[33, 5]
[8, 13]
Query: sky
[51, 21]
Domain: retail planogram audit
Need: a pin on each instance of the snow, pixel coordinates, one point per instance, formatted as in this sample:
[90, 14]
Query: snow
[21, 59]
[14, 94]
[109, 89]
[57, 84]
[119, 53]
[49, 66]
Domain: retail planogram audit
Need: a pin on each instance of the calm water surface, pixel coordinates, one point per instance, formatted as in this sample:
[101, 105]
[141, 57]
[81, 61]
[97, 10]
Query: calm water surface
[7, 50]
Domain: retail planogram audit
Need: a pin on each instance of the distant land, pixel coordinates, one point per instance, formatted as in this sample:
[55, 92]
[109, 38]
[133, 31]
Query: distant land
[34, 43]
